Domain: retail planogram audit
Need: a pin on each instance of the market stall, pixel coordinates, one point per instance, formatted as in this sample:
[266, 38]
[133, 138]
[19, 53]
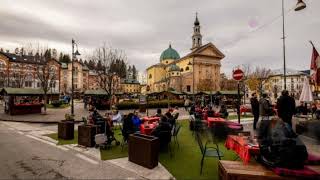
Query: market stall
[97, 98]
[24, 100]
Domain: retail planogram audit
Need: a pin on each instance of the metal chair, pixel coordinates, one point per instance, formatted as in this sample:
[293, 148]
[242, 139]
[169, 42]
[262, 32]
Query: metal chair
[175, 133]
[207, 151]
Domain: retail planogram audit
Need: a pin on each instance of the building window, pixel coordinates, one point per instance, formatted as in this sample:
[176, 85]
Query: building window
[172, 73]
[181, 69]
[166, 62]
[188, 88]
[38, 84]
[187, 68]
[150, 76]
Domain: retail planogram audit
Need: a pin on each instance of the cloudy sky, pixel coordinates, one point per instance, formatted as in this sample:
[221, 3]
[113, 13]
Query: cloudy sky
[246, 31]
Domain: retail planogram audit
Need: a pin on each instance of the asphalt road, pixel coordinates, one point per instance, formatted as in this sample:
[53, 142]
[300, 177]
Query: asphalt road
[24, 157]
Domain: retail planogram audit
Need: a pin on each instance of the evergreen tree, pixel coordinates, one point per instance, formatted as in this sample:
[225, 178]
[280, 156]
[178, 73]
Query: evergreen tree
[134, 72]
[61, 57]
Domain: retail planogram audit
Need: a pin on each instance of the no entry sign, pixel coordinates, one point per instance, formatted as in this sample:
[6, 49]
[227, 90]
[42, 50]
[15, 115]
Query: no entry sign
[237, 74]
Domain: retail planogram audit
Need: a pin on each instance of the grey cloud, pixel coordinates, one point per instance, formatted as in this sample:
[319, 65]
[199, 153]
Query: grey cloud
[144, 28]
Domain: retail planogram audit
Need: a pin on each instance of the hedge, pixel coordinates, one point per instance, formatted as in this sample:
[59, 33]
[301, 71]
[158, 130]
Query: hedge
[151, 104]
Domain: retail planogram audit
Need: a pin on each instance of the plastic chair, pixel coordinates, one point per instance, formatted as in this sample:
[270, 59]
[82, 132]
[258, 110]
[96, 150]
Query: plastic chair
[207, 151]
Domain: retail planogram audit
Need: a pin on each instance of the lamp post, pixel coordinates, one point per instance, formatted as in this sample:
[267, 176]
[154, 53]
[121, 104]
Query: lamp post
[112, 89]
[299, 6]
[194, 100]
[74, 55]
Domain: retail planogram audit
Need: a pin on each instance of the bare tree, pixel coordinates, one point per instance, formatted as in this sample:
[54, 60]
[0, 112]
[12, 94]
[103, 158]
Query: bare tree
[46, 74]
[103, 57]
[257, 79]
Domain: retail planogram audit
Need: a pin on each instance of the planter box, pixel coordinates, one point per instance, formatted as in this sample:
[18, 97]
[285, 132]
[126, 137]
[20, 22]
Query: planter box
[143, 150]
[66, 130]
[86, 134]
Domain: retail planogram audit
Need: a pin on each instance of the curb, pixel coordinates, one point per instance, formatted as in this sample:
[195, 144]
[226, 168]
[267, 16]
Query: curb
[35, 121]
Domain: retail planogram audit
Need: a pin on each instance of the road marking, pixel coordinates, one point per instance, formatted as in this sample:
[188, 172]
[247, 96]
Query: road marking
[86, 159]
[11, 128]
[49, 143]
[20, 132]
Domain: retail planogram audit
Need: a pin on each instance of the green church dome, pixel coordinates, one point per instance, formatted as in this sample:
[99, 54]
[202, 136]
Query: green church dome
[174, 67]
[169, 54]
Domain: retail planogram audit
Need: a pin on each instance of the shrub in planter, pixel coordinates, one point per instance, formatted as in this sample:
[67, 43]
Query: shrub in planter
[151, 104]
[56, 103]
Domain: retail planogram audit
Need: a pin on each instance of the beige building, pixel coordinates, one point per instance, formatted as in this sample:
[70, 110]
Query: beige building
[197, 71]
[129, 86]
[294, 82]
[80, 78]
[19, 70]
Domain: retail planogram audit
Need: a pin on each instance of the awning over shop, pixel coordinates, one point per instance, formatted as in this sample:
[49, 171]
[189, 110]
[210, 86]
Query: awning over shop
[25, 92]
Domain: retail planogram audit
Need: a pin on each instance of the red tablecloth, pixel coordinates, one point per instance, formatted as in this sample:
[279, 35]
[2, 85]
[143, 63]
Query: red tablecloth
[150, 119]
[147, 130]
[244, 151]
[212, 120]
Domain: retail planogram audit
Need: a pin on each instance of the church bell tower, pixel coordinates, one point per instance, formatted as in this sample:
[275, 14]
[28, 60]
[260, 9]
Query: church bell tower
[196, 37]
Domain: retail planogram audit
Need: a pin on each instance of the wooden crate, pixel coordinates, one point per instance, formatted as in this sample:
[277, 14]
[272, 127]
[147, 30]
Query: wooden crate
[236, 170]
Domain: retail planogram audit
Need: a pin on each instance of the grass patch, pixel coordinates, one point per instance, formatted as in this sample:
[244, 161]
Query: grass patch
[62, 141]
[185, 163]
[62, 106]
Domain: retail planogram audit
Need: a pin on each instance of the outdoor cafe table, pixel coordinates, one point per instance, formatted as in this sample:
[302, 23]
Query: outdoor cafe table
[244, 151]
[150, 119]
[147, 130]
[212, 120]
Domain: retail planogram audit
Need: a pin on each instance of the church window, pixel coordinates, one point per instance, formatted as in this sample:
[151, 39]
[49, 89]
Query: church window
[187, 68]
[150, 76]
[188, 88]
[198, 40]
[181, 69]
[172, 73]
[166, 62]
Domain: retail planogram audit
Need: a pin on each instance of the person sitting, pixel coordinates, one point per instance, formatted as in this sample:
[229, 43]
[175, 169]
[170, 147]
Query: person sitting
[169, 118]
[224, 112]
[175, 113]
[159, 113]
[302, 109]
[210, 112]
[136, 120]
[116, 117]
[128, 126]
[163, 132]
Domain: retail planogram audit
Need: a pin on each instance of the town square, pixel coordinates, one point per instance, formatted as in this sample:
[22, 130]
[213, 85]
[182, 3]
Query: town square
[160, 89]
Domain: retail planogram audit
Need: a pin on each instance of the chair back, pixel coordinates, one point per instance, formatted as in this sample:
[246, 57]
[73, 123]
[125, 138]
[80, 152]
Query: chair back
[200, 143]
[164, 137]
[176, 129]
[175, 117]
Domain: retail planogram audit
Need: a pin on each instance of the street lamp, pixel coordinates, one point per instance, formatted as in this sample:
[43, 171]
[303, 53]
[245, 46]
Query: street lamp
[299, 6]
[189, 64]
[74, 55]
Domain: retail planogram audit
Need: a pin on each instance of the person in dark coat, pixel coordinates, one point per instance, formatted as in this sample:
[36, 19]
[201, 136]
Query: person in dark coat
[255, 109]
[128, 126]
[286, 107]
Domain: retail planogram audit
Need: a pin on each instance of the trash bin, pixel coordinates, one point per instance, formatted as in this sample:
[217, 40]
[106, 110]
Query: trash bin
[86, 134]
[143, 150]
[66, 130]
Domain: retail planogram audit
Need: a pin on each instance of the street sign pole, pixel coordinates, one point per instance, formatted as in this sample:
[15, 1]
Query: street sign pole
[238, 76]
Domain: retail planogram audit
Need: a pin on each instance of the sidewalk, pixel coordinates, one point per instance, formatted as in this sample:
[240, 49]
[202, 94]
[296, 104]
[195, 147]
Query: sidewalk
[56, 115]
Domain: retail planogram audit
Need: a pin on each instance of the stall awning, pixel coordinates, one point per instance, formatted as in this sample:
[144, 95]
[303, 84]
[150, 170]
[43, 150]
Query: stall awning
[96, 92]
[24, 91]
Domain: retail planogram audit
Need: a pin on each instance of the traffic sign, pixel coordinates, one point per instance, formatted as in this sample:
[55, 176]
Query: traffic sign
[237, 74]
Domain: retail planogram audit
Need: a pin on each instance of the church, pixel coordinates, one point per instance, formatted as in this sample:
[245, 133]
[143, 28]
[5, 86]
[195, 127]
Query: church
[197, 71]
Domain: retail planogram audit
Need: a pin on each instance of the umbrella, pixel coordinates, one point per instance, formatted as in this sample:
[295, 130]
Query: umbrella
[306, 94]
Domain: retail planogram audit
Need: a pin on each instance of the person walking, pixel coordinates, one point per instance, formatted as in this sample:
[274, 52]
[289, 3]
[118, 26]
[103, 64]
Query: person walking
[286, 107]
[265, 111]
[255, 109]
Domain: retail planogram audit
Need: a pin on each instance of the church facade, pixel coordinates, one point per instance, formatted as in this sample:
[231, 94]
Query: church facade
[197, 71]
